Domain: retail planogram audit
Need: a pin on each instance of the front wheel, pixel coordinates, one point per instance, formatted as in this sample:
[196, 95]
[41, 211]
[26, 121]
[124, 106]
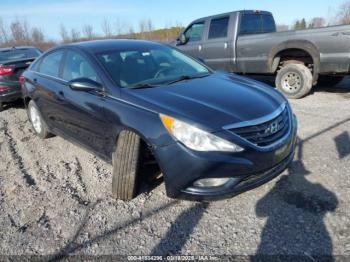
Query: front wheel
[126, 163]
[294, 80]
[37, 121]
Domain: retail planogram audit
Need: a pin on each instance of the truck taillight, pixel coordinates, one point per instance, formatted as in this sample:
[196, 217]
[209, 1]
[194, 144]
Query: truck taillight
[6, 70]
[22, 80]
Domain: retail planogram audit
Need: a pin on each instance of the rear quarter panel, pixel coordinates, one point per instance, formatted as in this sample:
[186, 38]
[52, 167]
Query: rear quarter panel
[332, 45]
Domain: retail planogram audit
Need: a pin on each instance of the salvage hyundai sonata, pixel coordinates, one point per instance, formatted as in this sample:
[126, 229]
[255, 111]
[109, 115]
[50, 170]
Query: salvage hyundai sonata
[134, 103]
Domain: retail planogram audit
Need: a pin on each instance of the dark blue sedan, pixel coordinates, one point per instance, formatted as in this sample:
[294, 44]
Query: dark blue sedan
[138, 103]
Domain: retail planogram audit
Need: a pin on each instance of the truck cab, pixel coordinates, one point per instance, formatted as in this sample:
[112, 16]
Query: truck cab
[214, 39]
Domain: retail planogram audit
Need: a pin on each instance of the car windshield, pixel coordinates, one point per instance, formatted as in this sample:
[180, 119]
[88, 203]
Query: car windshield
[16, 54]
[149, 67]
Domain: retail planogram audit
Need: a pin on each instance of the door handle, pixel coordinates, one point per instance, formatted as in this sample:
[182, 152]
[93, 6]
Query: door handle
[60, 97]
[200, 48]
[225, 46]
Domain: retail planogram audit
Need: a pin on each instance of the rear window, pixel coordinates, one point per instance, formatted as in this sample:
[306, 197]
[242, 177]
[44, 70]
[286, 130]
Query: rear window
[218, 28]
[268, 24]
[16, 54]
[257, 24]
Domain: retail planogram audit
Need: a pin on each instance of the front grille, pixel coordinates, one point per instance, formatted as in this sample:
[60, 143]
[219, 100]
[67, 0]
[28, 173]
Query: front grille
[266, 133]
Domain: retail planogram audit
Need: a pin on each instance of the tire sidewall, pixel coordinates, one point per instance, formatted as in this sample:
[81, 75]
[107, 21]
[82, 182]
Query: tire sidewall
[305, 78]
[44, 130]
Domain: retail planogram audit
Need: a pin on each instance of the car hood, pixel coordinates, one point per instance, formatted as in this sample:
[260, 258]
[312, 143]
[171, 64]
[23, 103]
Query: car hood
[210, 102]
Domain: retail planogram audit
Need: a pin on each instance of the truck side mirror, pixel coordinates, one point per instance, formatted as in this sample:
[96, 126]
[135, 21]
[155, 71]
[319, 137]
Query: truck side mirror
[182, 39]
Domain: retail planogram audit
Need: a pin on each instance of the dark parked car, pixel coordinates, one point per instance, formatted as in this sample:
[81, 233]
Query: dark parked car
[247, 42]
[13, 61]
[135, 103]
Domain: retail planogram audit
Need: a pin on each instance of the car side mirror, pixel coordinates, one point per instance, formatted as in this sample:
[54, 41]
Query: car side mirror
[182, 39]
[84, 84]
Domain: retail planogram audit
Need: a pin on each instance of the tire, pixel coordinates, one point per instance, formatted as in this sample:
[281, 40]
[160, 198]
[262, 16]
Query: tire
[126, 163]
[1, 107]
[38, 123]
[294, 80]
[329, 81]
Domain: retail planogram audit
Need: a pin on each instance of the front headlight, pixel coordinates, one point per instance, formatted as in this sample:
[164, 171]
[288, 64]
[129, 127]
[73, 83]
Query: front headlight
[195, 138]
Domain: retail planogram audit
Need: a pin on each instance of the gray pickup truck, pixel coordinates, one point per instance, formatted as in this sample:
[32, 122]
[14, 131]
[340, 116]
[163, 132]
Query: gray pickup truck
[247, 42]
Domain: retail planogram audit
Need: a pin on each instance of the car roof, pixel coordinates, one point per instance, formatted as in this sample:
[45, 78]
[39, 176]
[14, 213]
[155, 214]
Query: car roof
[233, 12]
[17, 47]
[97, 46]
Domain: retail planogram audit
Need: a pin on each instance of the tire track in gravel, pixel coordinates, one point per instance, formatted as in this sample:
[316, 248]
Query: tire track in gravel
[72, 191]
[75, 169]
[17, 158]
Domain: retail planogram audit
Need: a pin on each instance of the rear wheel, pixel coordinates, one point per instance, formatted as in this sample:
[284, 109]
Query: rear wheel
[126, 163]
[37, 121]
[294, 80]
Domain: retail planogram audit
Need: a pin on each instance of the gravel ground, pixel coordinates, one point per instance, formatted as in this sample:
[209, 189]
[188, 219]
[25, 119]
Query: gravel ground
[55, 198]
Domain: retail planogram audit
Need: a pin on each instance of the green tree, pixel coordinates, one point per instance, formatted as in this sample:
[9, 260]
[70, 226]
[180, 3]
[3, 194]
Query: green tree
[296, 25]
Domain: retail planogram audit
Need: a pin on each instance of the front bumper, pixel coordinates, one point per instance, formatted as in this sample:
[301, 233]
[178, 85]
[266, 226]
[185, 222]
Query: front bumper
[237, 185]
[248, 169]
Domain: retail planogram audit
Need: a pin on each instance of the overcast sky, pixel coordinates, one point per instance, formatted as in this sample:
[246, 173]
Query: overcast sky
[48, 15]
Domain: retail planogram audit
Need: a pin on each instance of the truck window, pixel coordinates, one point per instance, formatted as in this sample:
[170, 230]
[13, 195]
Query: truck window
[195, 32]
[268, 24]
[218, 28]
[250, 24]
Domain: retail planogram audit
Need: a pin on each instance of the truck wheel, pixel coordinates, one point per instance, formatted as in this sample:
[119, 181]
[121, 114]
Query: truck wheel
[294, 80]
[126, 164]
[38, 123]
[330, 80]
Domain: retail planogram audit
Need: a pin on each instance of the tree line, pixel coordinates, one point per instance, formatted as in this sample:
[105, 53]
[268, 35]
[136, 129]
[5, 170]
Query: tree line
[315, 22]
[20, 32]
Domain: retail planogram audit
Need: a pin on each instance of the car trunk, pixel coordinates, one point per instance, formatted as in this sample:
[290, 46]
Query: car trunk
[18, 66]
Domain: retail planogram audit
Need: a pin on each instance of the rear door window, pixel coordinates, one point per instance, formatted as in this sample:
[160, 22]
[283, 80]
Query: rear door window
[218, 28]
[50, 64]
[195, 32]
[250, 24]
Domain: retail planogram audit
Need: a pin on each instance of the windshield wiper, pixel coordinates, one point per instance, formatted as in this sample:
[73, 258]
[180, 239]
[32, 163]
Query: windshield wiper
[181, 78]
[186, 77]
[140, 86]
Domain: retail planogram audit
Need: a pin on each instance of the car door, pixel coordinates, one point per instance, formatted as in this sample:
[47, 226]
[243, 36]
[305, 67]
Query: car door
[217, 49]
[82, 113]
[251, 57]
[46, 83]
[194, 35]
